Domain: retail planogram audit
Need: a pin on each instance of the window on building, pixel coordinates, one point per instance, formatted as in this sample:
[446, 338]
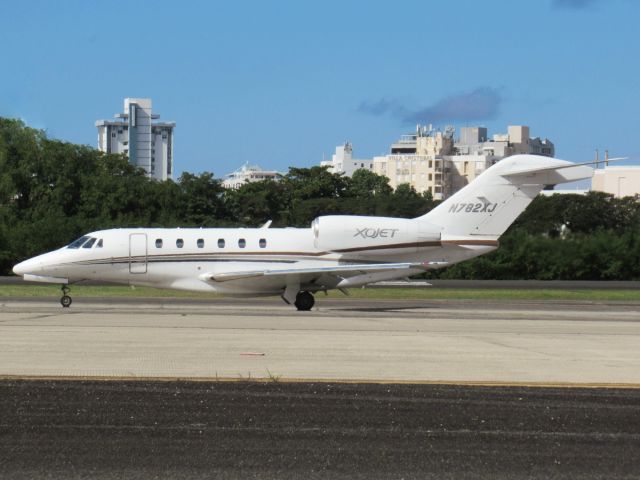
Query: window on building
[113, 135]
[164, 137]
[200, 243]
[242, 243]
[158, 243]
[430, 164]
[119, 130]
[221, 243]
[125, 143]
[179, 243]
[430, 177]
[263, 243]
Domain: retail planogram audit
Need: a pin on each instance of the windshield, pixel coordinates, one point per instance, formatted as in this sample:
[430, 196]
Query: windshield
[90, 243]
[78, 243]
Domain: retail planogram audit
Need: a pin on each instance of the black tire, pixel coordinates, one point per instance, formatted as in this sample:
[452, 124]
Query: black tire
[304, 301]
[66, 301]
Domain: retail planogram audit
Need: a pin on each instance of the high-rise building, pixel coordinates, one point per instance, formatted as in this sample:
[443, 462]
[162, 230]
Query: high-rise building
[432, 160]
[148, 144]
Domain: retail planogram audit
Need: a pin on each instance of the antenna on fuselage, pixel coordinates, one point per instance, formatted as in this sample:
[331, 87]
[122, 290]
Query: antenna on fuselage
[267, 225]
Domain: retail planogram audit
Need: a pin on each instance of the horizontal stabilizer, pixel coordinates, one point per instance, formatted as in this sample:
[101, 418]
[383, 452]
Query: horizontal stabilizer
[551, 175]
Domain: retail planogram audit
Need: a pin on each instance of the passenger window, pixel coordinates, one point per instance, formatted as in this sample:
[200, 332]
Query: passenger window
[90, 243]
[99, 244]
[221, 243]
[263, 243]
[158, 243]
[242, 243]
[179, 243]
[200, 243]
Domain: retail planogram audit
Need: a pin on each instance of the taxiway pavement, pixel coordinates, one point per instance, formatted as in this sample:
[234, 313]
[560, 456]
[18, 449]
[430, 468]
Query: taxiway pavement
[510, 342]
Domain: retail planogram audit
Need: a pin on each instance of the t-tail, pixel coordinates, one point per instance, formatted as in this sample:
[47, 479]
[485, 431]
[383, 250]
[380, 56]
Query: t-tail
[484, 209]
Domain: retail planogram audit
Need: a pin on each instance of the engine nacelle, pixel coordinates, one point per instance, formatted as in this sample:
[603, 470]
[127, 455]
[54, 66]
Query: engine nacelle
[372, 235]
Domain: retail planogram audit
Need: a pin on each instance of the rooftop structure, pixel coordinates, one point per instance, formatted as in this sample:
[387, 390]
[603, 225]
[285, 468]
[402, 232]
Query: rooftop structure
[148, 144]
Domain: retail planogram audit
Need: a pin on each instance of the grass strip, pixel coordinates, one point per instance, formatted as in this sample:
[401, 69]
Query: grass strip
[411, 293]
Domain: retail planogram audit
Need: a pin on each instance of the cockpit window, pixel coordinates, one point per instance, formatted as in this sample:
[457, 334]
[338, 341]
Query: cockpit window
[78, 243]
[99, 244]
[90, 243]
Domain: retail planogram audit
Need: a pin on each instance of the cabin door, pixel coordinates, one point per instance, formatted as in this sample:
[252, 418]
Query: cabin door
[138, 253]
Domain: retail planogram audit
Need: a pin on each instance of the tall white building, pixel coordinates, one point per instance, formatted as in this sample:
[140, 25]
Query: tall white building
[148, 144]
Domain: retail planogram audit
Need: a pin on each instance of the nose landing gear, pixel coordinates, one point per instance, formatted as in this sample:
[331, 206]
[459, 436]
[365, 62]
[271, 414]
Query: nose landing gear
[65, 301]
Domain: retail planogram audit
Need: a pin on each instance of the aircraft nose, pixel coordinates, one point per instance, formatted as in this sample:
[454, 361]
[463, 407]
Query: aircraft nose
[20, 269]
[28, 266]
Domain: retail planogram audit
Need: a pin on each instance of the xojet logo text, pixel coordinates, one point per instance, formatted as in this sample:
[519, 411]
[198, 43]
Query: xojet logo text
[376, 232]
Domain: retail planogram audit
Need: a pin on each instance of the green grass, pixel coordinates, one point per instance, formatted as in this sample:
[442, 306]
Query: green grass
[426, 293]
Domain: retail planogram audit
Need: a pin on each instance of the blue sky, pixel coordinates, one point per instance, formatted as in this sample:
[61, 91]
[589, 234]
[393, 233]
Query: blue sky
[282, 83]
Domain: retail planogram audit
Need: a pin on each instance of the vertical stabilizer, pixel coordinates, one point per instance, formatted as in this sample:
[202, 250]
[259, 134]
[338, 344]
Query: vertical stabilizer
[491, 203]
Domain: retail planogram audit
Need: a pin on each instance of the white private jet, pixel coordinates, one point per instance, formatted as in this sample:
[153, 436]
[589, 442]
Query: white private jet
[336, 252]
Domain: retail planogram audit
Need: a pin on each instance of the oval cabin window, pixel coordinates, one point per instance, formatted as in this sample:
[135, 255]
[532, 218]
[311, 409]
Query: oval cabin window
[200, 243]
[242, 243]
[179, 243]
[221, 243]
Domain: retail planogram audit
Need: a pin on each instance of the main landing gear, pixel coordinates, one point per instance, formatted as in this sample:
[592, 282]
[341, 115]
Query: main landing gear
[65, 301]
[304, 301]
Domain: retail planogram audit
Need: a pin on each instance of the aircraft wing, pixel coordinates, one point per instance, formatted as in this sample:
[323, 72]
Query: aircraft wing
[339, 270]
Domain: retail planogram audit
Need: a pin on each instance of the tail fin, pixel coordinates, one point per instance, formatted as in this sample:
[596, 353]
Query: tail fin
[488, 205]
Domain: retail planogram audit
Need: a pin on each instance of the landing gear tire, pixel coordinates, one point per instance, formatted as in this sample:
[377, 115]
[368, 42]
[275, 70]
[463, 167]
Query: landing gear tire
[65, 301]
[304, 301]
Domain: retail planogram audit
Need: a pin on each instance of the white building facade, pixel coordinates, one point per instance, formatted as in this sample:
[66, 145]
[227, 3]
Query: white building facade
[343, 162]
[622, 181]
[248, 173]
[148, 144]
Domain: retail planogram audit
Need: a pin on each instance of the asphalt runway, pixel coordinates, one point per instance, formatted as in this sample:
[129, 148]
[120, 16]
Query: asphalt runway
[509, 342]
[237, 430]
[411, 389]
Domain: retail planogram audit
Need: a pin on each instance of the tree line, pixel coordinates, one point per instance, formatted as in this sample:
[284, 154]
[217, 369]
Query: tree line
[52, 192]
